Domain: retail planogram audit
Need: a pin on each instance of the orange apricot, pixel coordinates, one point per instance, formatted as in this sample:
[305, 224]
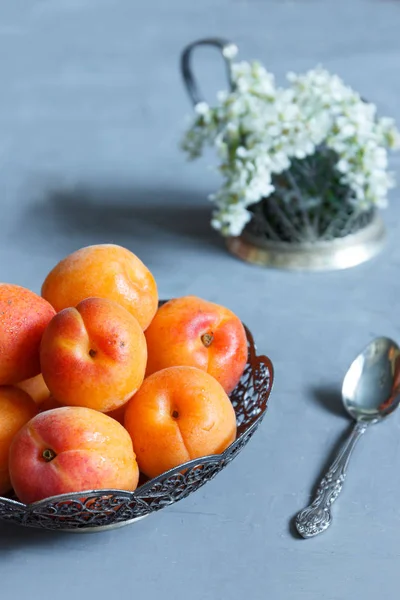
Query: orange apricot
[93, 355]
[179, 413]
[16, 408]
[197, 333]
[104, 271]
[23, 318]
[71, 449]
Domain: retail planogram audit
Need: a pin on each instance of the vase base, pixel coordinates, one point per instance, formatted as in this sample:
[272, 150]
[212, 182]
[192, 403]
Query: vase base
[341, 253]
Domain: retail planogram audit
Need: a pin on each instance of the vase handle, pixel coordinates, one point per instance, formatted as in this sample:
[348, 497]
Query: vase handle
[228, 50]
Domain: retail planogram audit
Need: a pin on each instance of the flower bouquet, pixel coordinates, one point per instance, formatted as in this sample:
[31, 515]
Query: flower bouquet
[302, 165]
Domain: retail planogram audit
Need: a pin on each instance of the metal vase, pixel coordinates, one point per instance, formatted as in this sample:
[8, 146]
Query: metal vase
[319, 255]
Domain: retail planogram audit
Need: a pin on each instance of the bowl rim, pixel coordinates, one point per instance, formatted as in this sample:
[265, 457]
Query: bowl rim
[71, 496]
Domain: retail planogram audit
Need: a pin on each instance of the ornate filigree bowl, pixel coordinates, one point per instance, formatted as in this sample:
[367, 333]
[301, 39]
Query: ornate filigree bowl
[105, 509]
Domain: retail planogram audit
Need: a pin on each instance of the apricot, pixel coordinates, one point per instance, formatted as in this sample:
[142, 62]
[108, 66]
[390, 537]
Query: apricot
[193, 332]
[16, 409]
[104, 271]
[23, 318]
[71, 449]
[36, 388]
[179, 413]
[93, 355]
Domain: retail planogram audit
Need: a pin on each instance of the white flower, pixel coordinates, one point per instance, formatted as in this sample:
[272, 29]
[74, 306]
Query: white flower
[343, 166]
[259, 128]
[347, 130]
[241, 152]
[230, 51]
[222, 96]
[231, 220]
[202, 108]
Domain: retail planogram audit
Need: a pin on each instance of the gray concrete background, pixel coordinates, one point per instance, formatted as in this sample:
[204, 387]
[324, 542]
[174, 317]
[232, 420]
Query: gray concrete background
[91, 112]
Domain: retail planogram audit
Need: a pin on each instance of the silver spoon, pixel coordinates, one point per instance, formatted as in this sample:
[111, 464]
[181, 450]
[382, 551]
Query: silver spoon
[370, 392]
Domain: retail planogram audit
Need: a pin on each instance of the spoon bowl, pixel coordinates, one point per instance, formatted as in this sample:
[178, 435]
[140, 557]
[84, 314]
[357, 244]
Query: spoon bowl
[371, 387]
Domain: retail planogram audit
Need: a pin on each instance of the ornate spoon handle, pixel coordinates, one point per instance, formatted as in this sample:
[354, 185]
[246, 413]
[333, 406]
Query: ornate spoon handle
[317, 517]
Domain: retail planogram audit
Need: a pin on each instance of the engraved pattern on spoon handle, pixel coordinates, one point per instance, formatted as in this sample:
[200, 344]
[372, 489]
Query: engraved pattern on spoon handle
[317, 517]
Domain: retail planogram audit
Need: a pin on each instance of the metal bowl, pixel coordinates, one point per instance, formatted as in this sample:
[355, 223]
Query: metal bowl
[98, 510]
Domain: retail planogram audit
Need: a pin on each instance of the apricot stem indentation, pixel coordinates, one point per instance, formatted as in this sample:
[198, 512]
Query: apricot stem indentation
[207, 339]
[48, 454]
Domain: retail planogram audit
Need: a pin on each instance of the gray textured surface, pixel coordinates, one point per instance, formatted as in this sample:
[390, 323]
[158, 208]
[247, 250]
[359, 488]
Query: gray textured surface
[91, 110]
